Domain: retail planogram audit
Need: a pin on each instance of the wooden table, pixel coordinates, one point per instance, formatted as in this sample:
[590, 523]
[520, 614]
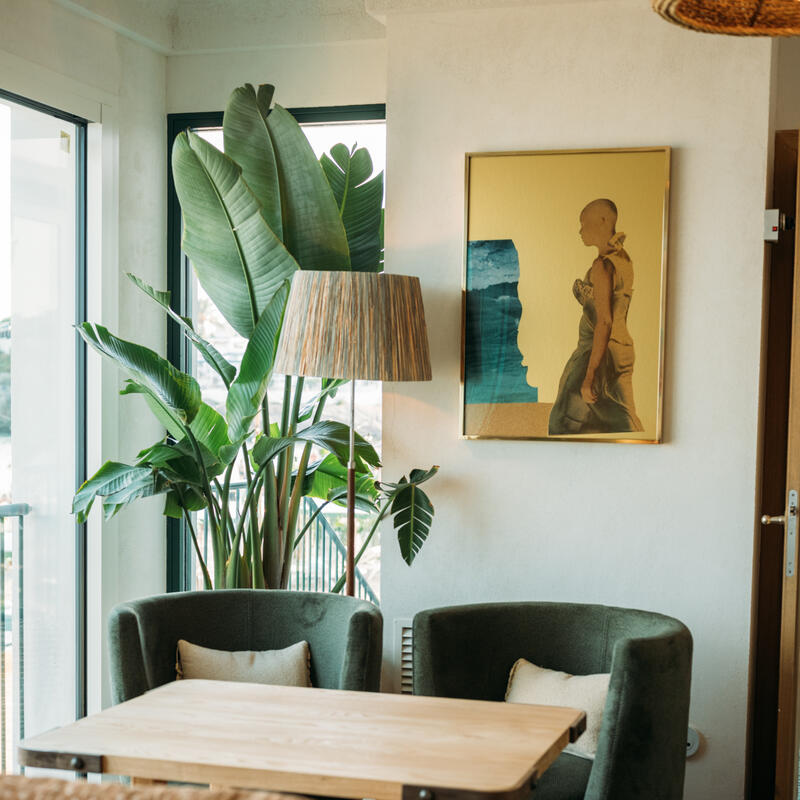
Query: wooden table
[316, 741]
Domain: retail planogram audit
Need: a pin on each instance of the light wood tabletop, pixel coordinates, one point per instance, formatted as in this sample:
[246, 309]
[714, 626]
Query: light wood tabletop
[316, 741]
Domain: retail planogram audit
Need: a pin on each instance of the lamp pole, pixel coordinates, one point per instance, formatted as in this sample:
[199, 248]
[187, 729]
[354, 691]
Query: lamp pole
[350, 577]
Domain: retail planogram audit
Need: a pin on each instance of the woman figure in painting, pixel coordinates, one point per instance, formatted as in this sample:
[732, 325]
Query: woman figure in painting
[595, 393]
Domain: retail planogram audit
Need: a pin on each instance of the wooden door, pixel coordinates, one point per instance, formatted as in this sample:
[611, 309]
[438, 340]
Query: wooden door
[774, 701]
[787, 738]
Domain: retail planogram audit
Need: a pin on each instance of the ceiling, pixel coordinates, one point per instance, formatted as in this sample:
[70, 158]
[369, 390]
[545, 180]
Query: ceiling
[180, 27]
[176, 27]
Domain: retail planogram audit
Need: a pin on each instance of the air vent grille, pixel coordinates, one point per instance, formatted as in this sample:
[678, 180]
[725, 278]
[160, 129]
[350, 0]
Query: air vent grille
[404, 644]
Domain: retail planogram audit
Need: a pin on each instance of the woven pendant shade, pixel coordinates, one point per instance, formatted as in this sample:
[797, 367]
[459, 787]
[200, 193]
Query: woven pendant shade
[736, 17]
[357, 325]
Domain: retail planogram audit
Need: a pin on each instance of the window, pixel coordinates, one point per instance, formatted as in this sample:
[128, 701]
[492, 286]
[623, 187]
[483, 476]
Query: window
[42, 410]
[318, 561]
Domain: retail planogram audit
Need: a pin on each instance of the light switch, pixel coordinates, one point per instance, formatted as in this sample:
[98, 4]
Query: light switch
[772, 224]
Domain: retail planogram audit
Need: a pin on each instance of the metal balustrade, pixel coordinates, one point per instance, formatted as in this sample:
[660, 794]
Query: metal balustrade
[13, 647]
[319, 557]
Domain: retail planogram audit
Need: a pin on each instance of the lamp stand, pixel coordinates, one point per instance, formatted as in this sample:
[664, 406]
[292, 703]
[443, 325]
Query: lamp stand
[350, 569]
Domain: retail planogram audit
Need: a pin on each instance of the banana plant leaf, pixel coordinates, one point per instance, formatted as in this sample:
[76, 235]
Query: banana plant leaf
[329, 388]
[239, 260]
[212, 356]
[141, 486]
[329, 435]
[248, 143]
[189, 498]
[248, 390]
[170, 420]
[112, 478]
[312, 229]
[179, 463]
[210, 429]
[411, 509]
[176, 392]
[326, 477]
[359, 199]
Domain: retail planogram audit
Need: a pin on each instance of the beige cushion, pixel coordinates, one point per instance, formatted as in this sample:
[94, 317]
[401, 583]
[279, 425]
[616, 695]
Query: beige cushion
[528, 683]
[288, 667]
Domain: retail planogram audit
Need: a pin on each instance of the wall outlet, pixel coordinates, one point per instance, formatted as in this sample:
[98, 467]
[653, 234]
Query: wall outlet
[692, 742]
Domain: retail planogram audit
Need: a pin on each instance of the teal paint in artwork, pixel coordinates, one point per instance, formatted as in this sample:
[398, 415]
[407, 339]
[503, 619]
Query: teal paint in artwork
[493, 371]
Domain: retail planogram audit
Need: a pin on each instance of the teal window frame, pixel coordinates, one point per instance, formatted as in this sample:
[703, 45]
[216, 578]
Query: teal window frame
[81, 289]
[179, 553]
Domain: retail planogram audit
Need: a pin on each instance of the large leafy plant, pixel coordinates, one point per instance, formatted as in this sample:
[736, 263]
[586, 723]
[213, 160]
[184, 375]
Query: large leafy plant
[252, 216]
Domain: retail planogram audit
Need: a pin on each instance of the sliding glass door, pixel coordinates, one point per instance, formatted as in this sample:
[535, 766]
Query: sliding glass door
[42, 218]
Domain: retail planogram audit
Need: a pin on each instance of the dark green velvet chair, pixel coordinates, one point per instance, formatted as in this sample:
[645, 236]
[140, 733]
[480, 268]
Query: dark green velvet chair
[468, 651]
[344, 634]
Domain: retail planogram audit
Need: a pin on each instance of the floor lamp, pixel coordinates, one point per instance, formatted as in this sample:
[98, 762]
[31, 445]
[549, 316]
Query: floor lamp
[359, 326]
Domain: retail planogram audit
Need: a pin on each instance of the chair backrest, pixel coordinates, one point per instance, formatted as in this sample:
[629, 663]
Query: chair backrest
[344, 634]
[468, 651]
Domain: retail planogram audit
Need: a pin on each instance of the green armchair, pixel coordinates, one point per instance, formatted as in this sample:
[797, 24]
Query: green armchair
[468, 651]
[343, 633]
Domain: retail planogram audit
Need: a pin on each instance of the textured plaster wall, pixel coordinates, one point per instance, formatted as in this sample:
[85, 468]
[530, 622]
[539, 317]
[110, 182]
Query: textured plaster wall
[668, 527]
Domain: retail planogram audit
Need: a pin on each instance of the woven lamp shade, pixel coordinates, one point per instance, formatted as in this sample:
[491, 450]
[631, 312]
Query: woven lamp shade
[736, 17]
[357, 325]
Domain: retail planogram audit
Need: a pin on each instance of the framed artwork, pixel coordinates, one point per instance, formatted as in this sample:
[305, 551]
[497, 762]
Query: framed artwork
[564, 295]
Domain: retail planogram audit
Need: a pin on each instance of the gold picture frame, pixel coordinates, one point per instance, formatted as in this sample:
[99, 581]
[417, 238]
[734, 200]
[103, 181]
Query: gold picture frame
[564, 295]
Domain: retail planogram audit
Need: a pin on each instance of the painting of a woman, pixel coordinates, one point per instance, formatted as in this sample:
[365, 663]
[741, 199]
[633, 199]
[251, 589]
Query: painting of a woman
[595, 393]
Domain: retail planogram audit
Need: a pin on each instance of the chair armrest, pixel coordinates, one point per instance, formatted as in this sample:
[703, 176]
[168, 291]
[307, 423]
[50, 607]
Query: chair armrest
[643, 735]
[361, 662]
[128, 671]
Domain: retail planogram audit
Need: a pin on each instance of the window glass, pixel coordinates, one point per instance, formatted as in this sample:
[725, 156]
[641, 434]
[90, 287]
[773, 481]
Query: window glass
[39, 217]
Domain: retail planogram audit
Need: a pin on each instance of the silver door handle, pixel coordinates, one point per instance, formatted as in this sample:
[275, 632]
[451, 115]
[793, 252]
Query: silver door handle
[768, 520]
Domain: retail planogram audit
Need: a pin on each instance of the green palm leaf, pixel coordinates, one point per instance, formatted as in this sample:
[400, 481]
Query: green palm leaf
[329, 476]
[238, 259]
[141, 486]
[329, 435]
[213, 357]
[110, 479]
[192, 501]
[411, 509]
[248, 143]
[413, 514]
[210, 429]
[312, 230]
[168, 418]
[359, 200]
[247, 391]
[176, 392]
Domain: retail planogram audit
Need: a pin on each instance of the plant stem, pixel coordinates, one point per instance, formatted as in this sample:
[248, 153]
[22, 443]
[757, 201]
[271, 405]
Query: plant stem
[254, 499]
[217, 535]
[337, 587]
[297, 493]
[233, 566]
[316, 513]
[287, 473]
[206, 576]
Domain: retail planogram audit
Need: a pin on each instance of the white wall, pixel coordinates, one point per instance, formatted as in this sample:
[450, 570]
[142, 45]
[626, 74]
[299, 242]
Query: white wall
[49, 54]
[668, 527]
[324, 74]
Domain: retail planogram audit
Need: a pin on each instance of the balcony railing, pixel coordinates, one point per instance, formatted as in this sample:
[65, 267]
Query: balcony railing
[13, 646]
[319, 558]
